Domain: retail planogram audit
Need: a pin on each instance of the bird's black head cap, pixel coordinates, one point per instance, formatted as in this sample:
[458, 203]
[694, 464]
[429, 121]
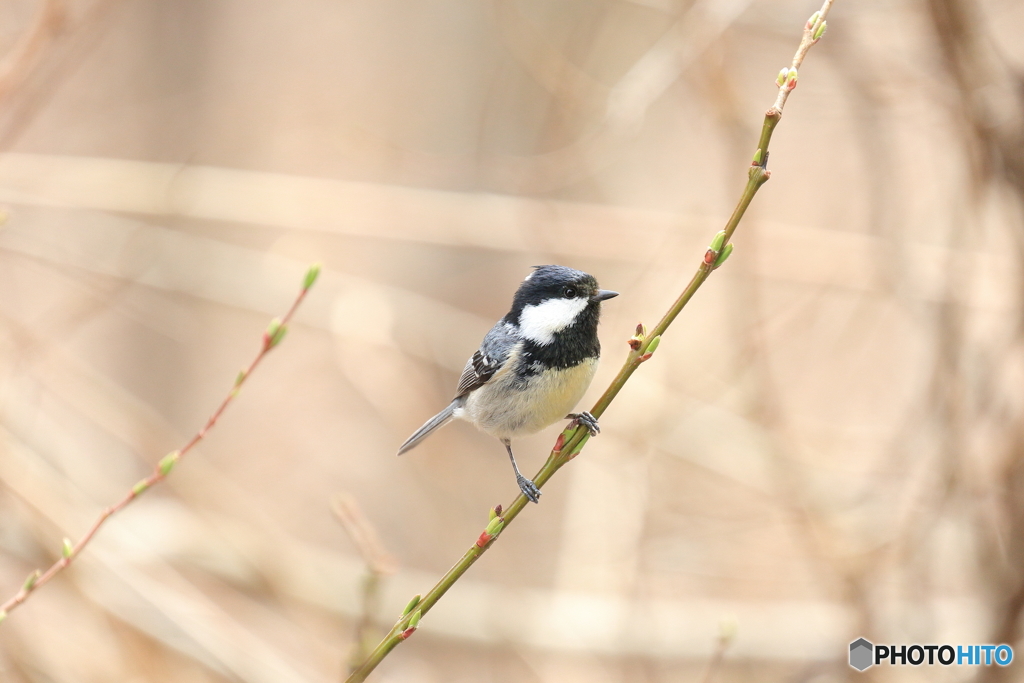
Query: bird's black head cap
[551, 282]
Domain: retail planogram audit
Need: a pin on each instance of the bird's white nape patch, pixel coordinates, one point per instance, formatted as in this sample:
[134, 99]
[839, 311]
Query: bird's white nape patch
[540, 322]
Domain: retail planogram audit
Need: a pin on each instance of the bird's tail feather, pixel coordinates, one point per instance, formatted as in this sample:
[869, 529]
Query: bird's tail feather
[439, 420]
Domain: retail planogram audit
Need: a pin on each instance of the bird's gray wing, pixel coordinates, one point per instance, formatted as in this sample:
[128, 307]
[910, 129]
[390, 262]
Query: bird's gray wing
[488, 359]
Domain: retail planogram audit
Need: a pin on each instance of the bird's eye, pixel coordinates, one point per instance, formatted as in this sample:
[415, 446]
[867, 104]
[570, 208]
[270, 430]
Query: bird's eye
[569, 292]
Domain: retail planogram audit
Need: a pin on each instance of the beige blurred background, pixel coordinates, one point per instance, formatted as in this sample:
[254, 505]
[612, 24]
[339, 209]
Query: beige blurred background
[828, 444]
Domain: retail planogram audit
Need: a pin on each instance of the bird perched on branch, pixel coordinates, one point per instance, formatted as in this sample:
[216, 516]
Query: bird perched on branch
[534, 365]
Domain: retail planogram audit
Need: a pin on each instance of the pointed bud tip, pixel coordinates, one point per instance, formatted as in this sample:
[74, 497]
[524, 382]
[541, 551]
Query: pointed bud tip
[275, 333]
[412, 603]
[724, 255]
[821, 30]
[718, 241]
[494, 526]
[311, 275]
[67, 550]
[30, 582]
[168, 462]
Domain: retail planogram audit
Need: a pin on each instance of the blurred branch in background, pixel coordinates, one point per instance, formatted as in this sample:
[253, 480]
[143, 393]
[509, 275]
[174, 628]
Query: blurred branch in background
[726, 634]
[20, 60]
[60, 34]
[379, 564]
[972, 376]
[70, 551]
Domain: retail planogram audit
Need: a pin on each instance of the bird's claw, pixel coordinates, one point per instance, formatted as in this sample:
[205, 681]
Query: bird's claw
[529, 489]
[585, 419]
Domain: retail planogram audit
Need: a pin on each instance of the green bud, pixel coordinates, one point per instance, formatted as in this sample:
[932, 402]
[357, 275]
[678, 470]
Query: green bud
[814, 18]
[821, 30]
[727, 628]
[780, 80]
[3, 614]
[412, 603]
[275, 332]
[757, 156]
[240, 378]
[494, 526]
[579, 447]
[791, 77]
[30, 582]
[67, 550]
[718, 241]
[283, 330]
[494, 512]
[724, 255]
[168, 462]
[311, 275]
[653, 346]
[414, 622]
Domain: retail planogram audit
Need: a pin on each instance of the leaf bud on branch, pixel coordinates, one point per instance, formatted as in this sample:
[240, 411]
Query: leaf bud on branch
[412, 604]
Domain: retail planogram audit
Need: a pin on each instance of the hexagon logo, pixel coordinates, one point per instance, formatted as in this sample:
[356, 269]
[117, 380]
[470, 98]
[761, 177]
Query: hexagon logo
[861, 651]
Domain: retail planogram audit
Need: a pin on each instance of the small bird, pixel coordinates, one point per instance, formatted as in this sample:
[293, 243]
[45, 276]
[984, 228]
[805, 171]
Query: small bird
[533, 366]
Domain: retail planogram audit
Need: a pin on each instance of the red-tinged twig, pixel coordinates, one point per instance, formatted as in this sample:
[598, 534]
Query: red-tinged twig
[273, 335]
[642, 345]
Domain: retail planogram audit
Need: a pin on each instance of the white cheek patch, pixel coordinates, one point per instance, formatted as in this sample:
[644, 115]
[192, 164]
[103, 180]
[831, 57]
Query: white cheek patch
[540, 322]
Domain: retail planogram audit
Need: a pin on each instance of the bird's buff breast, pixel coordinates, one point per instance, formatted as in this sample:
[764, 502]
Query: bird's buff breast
[505, 408]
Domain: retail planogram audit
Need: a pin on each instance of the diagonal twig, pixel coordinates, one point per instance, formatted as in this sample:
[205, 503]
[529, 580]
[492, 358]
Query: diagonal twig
[642, 345]
[273, 335]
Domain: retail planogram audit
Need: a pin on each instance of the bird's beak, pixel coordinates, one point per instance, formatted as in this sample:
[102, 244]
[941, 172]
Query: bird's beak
[604, 294]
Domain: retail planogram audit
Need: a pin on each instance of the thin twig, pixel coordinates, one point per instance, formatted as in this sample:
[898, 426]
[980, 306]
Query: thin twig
[642, 345]
[726, 634]
[379, 564]
[363, 535]
[271, 338]
[17, 63]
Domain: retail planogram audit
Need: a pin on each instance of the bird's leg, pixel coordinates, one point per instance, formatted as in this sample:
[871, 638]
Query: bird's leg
[585, 419]
[528, 488]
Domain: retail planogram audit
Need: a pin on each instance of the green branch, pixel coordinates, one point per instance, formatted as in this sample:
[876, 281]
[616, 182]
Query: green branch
[642, 345]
